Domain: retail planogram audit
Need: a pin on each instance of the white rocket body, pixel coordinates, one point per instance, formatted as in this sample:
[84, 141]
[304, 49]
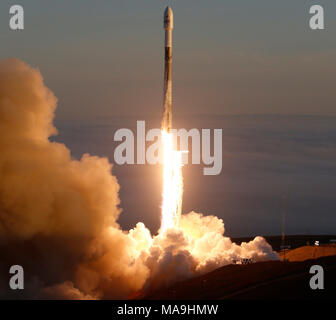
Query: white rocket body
[167, 93]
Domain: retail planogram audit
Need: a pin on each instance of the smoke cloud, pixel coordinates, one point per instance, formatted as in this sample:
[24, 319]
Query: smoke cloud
[58, 215]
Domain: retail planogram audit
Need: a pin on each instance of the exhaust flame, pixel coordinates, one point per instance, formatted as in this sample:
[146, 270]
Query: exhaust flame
[172, 184]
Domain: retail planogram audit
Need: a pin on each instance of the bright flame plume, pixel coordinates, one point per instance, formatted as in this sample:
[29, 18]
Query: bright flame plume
[172, 184]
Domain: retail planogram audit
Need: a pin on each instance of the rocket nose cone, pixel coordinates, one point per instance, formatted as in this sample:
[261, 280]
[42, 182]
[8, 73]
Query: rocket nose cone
[168, 18]
[169, 10]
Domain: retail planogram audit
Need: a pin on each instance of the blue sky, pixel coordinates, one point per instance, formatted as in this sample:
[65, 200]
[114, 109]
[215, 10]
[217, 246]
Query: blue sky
[105, 58]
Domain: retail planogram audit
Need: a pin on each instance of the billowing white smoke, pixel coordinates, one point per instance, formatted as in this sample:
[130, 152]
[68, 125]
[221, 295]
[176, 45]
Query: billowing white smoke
[58, 216]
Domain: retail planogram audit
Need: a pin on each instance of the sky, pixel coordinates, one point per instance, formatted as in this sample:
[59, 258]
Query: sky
[105, 58]
[264, 159]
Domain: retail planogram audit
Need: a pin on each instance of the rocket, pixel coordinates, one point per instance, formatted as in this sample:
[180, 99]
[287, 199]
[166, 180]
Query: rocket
[168, 25]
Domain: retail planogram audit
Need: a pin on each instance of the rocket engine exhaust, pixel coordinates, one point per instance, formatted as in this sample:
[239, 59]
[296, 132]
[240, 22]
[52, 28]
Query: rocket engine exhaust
[168, 25]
